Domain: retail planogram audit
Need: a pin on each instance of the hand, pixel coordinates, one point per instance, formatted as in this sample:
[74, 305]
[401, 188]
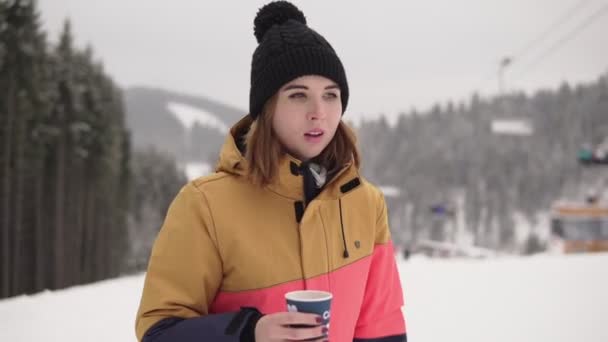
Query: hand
[278, 327]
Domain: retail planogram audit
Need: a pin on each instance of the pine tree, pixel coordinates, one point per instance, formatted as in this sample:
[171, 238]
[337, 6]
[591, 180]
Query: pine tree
[21, 75]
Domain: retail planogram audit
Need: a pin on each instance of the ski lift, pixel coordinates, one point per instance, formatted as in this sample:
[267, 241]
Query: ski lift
[580, 227]
[588, 156]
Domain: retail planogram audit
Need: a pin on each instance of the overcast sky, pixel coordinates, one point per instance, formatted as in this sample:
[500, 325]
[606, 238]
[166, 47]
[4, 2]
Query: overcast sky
[397, 54]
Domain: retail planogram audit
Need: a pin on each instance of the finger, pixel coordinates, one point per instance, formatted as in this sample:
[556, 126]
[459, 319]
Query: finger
[298, 334]
[300, 318]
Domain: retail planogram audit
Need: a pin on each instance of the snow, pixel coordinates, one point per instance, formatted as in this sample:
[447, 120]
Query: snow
[540, 298]
[390, 191]
[194, 170]
[524, 227]
[551, 298]
[512, 127]
[103, 311]
[189, 115]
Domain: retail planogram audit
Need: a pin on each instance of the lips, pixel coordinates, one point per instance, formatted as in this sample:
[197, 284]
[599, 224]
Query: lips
[314, 133]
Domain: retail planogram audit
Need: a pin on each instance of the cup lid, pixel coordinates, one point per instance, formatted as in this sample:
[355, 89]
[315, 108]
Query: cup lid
[308, 295]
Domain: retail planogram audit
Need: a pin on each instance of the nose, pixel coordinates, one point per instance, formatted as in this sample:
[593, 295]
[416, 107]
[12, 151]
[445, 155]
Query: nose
[316, 110]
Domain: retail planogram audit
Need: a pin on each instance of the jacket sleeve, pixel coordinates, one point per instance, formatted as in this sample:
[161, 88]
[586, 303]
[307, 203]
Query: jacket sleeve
[381, 317]
[184, 274]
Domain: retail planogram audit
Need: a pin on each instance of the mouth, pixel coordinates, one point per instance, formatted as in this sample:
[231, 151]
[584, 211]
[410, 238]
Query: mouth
[314, 133]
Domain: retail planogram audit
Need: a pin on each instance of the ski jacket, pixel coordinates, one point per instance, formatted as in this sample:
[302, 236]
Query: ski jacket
[227, 245]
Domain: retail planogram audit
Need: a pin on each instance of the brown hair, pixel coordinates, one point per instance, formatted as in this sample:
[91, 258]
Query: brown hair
[264, 149]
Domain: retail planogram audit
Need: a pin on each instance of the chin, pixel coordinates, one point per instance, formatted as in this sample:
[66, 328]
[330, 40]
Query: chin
[313, 155]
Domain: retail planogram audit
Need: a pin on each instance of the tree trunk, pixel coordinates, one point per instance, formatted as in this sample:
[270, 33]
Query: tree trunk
[59, 245]
[40, 235]
[88, 234]
[68, 222]
[18, 236]
[6, 190]
[31, 166]
[76, 236]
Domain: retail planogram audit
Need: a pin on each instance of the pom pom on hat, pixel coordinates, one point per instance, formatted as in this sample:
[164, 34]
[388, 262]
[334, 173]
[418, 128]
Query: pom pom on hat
[275, 13]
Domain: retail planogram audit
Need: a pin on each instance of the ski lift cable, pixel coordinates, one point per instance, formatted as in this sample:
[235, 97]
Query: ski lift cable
[566, 38]
[565, 17]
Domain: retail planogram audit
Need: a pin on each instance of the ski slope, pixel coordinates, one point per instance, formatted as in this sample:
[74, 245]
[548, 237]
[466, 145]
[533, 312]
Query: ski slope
[541, 298]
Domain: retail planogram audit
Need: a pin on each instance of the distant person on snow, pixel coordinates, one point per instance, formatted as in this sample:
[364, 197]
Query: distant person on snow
[285, 210]
[406, 253]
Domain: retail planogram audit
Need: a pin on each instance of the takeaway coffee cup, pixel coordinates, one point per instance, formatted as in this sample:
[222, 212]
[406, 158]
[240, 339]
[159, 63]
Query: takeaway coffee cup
[310, 301]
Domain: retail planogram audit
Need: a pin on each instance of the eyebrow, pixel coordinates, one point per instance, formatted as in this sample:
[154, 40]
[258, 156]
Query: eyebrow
[299, 86]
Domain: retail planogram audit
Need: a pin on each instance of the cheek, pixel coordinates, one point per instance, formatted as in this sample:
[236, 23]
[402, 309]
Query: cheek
[335, 111]
[283, 125]
[334, 120]
[285, 117]
[284, 129]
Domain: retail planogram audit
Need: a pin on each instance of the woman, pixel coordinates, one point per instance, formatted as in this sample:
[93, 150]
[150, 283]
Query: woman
[286, 210]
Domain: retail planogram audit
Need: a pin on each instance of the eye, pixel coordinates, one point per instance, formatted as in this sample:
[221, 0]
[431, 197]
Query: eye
[331, 96]
[297, 96]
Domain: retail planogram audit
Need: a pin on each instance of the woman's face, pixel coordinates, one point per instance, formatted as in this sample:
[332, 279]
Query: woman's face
[307, 114]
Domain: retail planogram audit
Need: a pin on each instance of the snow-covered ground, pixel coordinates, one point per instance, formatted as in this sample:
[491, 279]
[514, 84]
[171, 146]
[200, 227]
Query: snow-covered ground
[548, 298]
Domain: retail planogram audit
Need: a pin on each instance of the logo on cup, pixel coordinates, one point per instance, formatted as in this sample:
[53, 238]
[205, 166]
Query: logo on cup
[310, 301]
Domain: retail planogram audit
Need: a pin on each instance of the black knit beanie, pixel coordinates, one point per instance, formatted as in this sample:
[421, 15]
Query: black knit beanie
[288, 49]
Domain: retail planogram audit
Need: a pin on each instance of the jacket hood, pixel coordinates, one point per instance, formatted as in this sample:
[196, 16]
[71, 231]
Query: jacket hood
[289, 182]
[231, 158]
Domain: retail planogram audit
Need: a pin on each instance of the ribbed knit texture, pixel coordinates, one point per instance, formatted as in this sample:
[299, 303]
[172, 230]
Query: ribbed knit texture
[288, 49]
